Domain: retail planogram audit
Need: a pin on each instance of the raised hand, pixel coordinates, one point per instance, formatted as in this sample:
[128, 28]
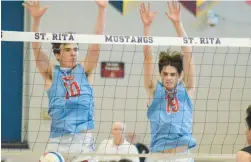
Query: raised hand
[147, 16]
[34, 8]
[174, 9]
[102, 3]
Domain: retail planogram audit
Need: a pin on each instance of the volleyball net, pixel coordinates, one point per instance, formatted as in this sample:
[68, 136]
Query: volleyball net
[222, 93]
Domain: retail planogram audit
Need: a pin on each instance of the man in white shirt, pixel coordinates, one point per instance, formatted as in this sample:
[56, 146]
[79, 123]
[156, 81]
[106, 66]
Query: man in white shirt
[117, 145]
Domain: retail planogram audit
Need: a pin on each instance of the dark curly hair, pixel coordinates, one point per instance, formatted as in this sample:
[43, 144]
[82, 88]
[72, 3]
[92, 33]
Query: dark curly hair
[248, 118]
[172, 58]
[56, 46]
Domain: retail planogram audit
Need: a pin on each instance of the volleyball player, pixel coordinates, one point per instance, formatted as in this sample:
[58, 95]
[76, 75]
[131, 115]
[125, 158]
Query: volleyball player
[244, 155]
[68, 85]
[170, 108]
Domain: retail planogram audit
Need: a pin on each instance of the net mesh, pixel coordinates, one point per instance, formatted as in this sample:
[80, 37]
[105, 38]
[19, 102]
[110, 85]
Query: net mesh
[222, 94]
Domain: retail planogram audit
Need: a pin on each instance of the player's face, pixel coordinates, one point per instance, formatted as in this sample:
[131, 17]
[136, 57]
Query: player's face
[248, 134]
[169, 77]
[68, 55]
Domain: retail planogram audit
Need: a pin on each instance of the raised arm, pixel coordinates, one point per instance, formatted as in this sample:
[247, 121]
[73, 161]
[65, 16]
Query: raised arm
[42, 60]
[90, 62]
[188, 64]
[147, 18]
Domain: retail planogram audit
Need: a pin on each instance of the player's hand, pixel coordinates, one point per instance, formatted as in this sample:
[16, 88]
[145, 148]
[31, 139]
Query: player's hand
[147, 16]
[174, 9]
[102, 3]
[34, 8]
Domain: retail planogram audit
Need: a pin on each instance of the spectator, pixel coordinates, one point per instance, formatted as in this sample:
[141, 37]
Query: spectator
[117, 145]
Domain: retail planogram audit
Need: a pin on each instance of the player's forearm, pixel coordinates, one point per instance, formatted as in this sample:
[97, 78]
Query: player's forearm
[35, 28]
[38, 53]
[100, 25]
[179, 29]
[91, 59]
[147, 48]
[188, 64]
[148, 62]
[99, 30]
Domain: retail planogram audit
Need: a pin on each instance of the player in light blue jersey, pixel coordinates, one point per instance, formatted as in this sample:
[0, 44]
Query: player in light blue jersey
[170, 109]
[69, 86]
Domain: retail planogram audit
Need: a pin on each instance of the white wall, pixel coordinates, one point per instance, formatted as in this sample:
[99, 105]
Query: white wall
[223, 75]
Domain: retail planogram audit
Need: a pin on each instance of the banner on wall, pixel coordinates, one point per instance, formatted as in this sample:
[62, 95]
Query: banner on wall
[124, 6]
[198, 7]
[248, 2]
[112, 69]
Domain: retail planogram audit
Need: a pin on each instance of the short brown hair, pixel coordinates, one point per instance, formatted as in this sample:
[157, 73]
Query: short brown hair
[172, 58]
[56, 47]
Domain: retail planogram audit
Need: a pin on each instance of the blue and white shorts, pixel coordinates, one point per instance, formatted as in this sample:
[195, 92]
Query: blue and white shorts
[72, 143]
[174, 159]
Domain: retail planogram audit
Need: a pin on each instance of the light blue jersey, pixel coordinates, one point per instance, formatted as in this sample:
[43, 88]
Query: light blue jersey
[170, 129]
[71, 102]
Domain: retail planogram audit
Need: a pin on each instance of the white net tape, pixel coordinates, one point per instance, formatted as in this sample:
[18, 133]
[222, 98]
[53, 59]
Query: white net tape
[124, 40]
